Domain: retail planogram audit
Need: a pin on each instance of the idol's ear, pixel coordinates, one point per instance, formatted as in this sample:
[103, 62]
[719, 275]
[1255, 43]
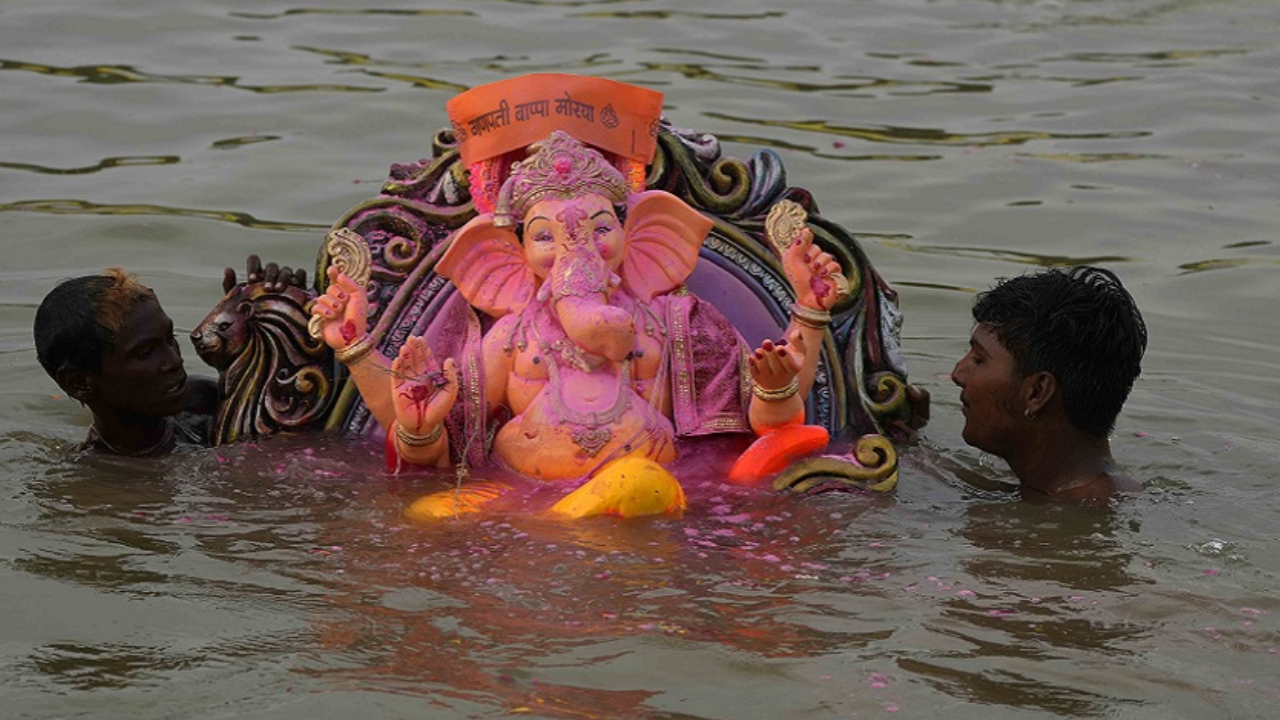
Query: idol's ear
[664, 235]
[487, 264]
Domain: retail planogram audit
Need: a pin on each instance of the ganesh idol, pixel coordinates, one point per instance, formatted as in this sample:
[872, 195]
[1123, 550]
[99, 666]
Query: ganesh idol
[594, 358]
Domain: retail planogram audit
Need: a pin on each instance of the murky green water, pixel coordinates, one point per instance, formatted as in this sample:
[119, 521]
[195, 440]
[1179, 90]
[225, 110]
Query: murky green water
[962, 140]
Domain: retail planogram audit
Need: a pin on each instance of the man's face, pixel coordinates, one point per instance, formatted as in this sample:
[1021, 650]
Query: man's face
[142, 374]
[989, 393]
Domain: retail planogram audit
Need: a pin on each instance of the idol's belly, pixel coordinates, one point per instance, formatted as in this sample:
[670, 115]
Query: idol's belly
[541, 443]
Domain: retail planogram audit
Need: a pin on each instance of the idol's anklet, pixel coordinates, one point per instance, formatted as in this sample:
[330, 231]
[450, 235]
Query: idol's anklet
[353, 353]
[810, 318]
[411, 440]
[780, 394]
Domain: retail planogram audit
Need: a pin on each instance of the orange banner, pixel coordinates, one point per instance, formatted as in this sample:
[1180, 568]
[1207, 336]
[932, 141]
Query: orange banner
[511, 114]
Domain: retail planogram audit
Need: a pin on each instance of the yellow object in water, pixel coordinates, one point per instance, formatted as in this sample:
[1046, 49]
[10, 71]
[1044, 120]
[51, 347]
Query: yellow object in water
[629, 487]
[462, 500]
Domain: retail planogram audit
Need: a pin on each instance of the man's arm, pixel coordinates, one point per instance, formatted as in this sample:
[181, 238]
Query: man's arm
[200, 396]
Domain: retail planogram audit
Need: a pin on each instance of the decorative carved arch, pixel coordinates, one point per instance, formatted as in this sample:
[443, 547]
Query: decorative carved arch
[861, 378]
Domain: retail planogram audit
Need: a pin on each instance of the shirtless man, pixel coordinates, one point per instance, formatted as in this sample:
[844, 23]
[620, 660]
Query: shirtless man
[1052, 358]
[108, 344]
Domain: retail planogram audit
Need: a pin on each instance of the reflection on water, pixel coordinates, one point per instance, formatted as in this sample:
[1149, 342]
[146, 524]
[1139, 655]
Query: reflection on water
[342, 11]
[104, 164]
[99, 668]
[111, 75]
[79, 207]
[961, 141]
[1076, 548]
[925, 136]
[1020, 258]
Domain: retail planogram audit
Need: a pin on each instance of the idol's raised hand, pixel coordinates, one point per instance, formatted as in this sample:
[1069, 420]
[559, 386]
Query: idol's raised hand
[423, 391]
[776, 369]
[774, 366]
[342, 311]
[814, 274]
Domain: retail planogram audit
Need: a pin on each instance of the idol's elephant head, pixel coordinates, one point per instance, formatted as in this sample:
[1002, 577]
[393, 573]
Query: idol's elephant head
[571, 247]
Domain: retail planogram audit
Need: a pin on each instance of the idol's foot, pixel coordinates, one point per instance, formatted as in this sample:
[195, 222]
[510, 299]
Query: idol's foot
[465, 499]
[772, 452]
[629, 487]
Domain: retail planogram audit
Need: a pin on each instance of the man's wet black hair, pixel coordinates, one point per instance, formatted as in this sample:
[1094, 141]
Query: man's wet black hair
[1081, 325]
[77, 322]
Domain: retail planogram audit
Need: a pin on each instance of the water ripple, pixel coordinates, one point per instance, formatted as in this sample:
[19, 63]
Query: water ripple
[121, 74]
[396, 12]
[928, 136]
[82, 207]
[1014, 256]
[843, 88]
[104, 164]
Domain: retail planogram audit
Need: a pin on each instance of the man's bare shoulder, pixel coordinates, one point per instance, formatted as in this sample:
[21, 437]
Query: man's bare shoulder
[1102, 488]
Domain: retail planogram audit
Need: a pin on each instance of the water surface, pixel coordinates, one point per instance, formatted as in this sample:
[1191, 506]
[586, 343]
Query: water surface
[962, 140]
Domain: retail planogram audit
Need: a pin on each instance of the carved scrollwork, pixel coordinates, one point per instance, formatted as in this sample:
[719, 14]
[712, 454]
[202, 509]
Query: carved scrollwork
[272, 375]
[350, 254]
[873, 465]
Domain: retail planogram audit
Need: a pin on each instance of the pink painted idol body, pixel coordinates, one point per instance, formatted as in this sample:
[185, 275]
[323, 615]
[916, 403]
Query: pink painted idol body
[592, 357]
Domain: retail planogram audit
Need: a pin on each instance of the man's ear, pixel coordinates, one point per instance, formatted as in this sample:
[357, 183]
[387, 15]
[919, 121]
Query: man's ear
[80, 385]
[1038, 389]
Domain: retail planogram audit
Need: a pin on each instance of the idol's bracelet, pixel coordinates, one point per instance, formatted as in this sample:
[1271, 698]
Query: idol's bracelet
[810, 318]
[352, 353]
[778, 395]
[411, 440]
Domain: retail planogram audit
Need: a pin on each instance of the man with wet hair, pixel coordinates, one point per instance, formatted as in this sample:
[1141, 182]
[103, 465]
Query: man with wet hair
[1052, 358]
[108, 344]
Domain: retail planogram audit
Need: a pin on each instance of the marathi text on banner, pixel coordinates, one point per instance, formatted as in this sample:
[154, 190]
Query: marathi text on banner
[511, 114]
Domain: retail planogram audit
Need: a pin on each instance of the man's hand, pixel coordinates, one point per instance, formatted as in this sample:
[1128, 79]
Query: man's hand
[273, 277]
[903, 430]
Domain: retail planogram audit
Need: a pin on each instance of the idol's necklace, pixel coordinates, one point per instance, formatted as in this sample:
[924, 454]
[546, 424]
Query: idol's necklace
[590, 431]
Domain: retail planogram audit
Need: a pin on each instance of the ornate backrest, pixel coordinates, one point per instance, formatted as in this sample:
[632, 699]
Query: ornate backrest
[272, 375]
[861, 377]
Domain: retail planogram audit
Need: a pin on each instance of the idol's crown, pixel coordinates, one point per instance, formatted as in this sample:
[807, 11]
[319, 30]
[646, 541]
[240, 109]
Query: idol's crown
[560, 168]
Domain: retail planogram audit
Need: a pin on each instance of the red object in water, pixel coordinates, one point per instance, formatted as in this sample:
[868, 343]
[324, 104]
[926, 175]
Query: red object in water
[392, 457]
[772, 452]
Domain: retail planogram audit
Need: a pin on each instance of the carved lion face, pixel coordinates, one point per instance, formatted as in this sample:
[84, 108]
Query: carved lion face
[224, 334]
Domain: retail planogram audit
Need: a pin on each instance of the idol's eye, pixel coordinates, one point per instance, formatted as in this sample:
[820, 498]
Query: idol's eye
[543, 236]
[603, 229]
